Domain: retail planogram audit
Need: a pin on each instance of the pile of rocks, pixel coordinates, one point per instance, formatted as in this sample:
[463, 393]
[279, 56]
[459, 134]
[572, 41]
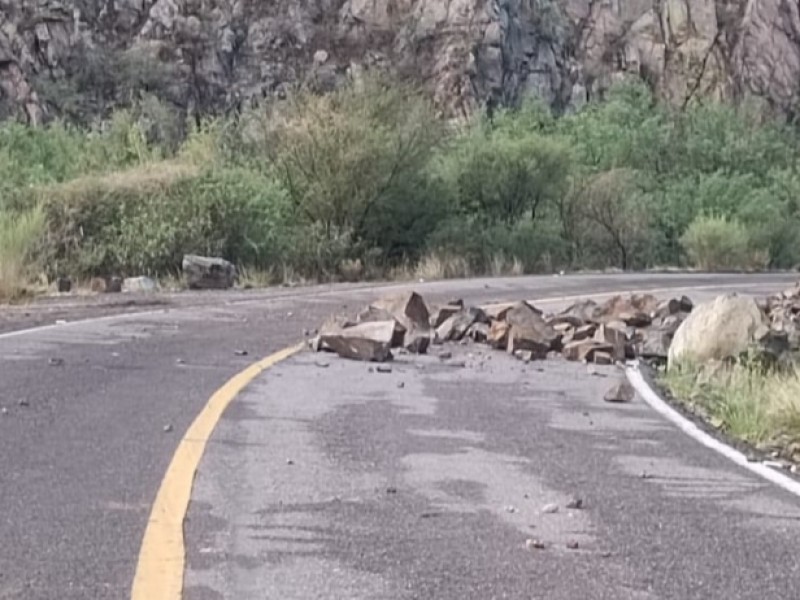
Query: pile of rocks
[622, 327]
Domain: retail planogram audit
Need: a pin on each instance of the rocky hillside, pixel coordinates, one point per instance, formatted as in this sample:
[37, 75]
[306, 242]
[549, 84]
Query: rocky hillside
[214, 54]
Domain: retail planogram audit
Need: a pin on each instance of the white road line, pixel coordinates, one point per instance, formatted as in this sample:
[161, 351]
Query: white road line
[693, 431]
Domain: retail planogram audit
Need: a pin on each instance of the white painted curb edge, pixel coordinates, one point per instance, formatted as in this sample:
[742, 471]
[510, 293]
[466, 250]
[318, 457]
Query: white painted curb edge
[660, 406]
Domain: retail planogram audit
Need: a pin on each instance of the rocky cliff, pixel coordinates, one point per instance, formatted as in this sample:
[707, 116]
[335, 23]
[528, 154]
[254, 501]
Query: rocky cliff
[214, 54]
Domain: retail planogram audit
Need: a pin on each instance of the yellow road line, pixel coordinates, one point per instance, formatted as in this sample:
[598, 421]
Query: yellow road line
[159, 572]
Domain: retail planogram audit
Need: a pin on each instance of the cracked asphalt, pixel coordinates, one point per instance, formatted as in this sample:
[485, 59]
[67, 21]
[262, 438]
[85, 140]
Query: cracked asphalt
[416, 491]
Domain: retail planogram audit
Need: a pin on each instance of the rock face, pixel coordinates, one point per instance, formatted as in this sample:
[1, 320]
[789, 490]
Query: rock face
[223, 54]
[204, 273]
[722, 328]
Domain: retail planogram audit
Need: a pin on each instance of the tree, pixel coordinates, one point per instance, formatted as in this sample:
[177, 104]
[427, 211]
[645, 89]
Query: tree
[616, 213]
[344, 154]
[501, 178]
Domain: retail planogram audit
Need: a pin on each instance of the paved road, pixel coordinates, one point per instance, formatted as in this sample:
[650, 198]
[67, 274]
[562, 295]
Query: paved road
[83, 450]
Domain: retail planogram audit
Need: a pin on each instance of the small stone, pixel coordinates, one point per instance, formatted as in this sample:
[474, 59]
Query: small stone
[306, 332]
[23, 402]
[445, 355]
[289, 314]
[55, 362]
[401, 385]
[391, 490]
[510, 509]
[383, 369]
[167, 428]
[179, 361]
[620, 392]
[550, 508]
[646, 475]
[605, 554]
[61, 321]
[322, 364]
[532, 544]
[240, 352]
[289, 462]
[572, 545]
[3, 411]
[575, 504]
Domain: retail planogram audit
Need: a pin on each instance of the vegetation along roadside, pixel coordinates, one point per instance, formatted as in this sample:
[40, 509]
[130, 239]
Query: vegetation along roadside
[367, 182]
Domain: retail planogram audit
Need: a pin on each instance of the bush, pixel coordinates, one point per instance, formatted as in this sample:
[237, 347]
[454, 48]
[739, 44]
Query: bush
[716, 244]
[354, 159]
[143, 221]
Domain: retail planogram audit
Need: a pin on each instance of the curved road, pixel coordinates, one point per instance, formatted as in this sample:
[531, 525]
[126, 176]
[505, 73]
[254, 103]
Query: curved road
[336, 483]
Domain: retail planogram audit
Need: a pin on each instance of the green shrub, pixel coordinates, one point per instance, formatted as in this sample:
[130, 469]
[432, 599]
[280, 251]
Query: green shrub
[500, 178]
[715, 243]
[347, 158]
[144, 220]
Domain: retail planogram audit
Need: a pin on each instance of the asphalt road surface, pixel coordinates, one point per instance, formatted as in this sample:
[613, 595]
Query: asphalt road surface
[429, 490]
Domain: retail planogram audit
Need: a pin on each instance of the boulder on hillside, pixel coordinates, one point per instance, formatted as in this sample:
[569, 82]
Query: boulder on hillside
[720, 329]
[205, 273]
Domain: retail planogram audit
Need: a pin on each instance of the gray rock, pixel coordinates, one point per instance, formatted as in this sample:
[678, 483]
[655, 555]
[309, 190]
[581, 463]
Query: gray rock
[622, 391]
[455, 327]
[365, 341]
[411, 312]
[63, 285]
[113, 285]
[204, 273]
[530, 331]
[723, 328]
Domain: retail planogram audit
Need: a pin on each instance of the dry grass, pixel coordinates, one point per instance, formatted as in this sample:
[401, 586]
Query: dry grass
[435, 266]
[762, 408]
[19, 235]
[146, 178]
[500, 266]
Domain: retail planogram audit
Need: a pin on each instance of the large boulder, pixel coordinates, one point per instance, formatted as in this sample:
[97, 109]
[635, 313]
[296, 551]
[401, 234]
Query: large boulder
[530, 331]
[370, 341]
[720, 329]
[411, 312]
[205, 273]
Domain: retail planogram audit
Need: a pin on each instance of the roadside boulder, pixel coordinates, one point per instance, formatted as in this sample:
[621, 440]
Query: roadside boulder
[622, 391]
[585, 350]
[63, 285]
[498, 334]
[439, 314]
[614, 338]
[530, 331]
[579, 313]
[371, 341]
[205, 273]
[716, 330]
[455, 327]
[411, 313]
[113, 285]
